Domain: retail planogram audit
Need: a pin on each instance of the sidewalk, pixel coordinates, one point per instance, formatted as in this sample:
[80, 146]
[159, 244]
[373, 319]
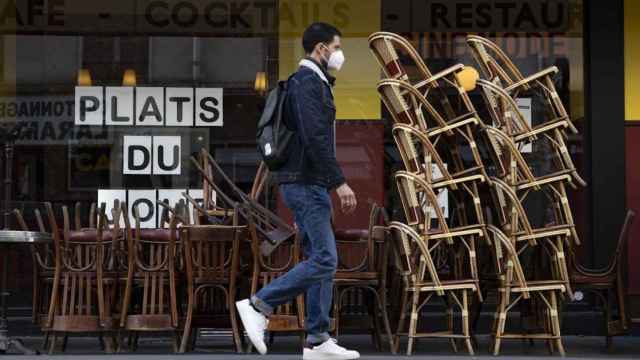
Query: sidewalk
[577, 347]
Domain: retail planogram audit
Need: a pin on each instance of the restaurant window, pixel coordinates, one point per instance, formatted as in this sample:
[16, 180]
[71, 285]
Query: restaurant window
[535, 35]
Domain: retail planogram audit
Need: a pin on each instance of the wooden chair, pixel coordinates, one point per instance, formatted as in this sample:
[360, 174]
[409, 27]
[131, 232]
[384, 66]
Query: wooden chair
[508, 119]
[289, 317]
[418, 155]
[516, 226]
[43, 269]
[495, 64]
[416, 263]
[607, 283]
[515, 284]
[149, 301]
[454, 134]
[388, 48]
[81, 293]
[212, 258]
[516, 173]
[420, 206]
[367, 277]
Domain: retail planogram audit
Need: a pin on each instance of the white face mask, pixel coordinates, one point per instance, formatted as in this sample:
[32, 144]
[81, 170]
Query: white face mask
[336, 60]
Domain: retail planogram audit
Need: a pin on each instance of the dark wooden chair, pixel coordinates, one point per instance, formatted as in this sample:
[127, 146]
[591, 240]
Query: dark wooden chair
[364, 281]
[43, 269]
[212, 264]
[81, 298]
[609, 283]
[149, 301]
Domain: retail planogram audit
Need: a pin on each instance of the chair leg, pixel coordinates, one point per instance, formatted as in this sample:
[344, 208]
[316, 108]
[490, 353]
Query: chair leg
[52, 344]
[337, 297]
[65, 340]
[45, 342]
[413, 322]
[194, 339]
[608, 309]
[500, 324]
[556, 323]
[372, 307]
[465, 322]
[401, 321]
[186, 334]
[450, 322]
[235, 328]
[382, 300]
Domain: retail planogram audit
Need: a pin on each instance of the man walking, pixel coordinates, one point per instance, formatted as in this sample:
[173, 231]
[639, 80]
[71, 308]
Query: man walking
[310, 173]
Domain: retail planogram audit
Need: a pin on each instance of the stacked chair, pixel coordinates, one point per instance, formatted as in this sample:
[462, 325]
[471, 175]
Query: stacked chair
[516, 180]
[435, 126]
[445, 145]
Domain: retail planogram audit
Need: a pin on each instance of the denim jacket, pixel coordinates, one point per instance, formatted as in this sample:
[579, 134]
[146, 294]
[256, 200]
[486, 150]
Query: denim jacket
[311, 113]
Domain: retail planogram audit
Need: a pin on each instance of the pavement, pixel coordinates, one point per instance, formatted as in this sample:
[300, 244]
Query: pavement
[288, 347]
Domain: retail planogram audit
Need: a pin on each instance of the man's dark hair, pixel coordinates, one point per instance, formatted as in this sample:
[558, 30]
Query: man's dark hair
[318, 33]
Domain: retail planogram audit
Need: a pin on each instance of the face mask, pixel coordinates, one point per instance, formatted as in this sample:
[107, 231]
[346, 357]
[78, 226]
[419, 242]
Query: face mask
[336, 60]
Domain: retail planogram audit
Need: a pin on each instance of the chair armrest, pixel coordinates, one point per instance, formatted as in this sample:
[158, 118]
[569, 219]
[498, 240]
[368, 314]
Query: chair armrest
[528, 79]
[440, 75]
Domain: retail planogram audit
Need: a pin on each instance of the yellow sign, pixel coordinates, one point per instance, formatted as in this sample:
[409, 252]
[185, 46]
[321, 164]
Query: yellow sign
[355, 92]
[631, 55]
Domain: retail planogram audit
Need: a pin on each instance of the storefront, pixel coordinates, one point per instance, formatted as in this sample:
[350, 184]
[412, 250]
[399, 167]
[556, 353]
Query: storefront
[108, 100]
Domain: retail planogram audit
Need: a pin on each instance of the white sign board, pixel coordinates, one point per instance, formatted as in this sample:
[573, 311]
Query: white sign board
[154, 106]
[524, 105]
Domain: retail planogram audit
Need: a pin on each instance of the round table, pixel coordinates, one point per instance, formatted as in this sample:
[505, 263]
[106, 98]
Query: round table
[9, 238]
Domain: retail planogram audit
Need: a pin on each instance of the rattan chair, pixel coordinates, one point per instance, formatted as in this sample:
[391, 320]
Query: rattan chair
[415, 260]
[495, 64]
[508, 119]
[514, 283]
[514, 171]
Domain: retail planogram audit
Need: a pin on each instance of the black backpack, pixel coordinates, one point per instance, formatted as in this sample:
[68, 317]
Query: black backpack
[273, 134]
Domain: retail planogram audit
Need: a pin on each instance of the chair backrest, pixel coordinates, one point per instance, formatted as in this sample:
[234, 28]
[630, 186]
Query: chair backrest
[503, 109]
[510, 162]
[493, 62]
[510, 210]
[413, 255]
[211, 251]
[513, 271]
[418, 152]
[418, 201]
[623, 238]
[80, 276]
[408, 106]
[386, 47]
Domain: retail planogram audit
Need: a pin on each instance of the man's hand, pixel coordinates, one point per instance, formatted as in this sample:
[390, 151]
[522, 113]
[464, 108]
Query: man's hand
[347, 197]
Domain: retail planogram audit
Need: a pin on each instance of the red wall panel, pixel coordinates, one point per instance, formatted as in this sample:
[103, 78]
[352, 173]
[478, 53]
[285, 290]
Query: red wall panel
[632, 134]
[360, 152]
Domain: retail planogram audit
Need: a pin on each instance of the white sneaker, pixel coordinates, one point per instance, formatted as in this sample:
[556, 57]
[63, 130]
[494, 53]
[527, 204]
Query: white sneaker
[329, 350]
[254, 323]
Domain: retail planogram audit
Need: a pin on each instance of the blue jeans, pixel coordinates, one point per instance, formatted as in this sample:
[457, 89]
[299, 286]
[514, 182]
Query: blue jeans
[311, 207]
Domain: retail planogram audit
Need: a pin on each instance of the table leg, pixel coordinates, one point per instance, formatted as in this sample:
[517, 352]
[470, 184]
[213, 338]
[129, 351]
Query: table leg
[5, 341]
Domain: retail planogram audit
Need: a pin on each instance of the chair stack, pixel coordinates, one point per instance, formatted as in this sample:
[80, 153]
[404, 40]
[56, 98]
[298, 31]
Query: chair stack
[450, 153]
[517, 180]
[435, 126]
